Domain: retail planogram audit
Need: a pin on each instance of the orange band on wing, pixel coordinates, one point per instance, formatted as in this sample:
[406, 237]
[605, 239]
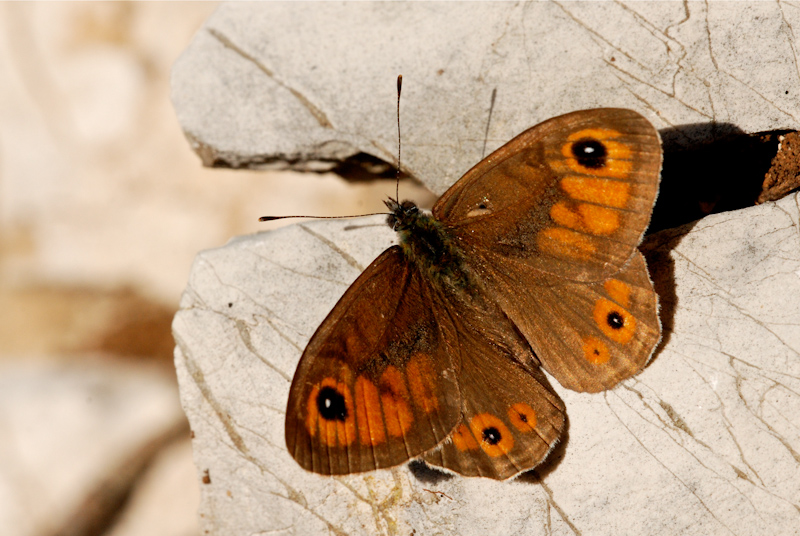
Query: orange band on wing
[592, 219]
[613, 194]
[523, 417]
[421, 381]
[463, 439]
[395, 400]
[368, 412]
[619, 291]
[565, 243]
[595, 351]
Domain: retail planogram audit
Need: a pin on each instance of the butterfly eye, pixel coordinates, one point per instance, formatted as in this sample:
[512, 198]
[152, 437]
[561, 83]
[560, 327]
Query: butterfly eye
[492, 435]
[495, 437]
[614, 320]
[331, 404]
[522, 416]
[590, 153]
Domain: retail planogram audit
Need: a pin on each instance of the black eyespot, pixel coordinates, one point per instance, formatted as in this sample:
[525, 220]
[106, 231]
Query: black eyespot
[330, 404]
[590, 153]
[615, 320]
[523, 417]
[482, 206]
[492, 435]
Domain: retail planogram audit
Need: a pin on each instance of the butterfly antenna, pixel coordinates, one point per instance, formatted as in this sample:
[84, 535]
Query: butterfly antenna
[397, 185]
[273, 218]
[397, 178]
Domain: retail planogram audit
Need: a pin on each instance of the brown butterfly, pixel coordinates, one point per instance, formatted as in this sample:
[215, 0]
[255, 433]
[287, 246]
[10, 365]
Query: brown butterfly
[529, 261]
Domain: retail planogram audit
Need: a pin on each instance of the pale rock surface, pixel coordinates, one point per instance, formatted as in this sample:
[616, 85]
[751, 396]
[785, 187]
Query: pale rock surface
[302, 85]
[704, 441]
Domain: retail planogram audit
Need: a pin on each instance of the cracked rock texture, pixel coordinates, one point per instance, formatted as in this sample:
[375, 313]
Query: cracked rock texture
[289, 86]
[706, 440]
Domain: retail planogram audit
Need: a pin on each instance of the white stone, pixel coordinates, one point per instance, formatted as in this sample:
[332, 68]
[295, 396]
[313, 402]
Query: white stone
[704, 441]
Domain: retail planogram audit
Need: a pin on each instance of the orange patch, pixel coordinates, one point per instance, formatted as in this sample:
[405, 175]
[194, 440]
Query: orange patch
[595, 351]
[565, 216]
[588, 218]
[613, 194]
[599, 220]
[620, 292]
[606, 313]
[565, 243]
[522, 417]
[333, 432]
[421, 382]
[312, 413]
[493, 435]
[463, 439]
[368, 413]
[395, 400]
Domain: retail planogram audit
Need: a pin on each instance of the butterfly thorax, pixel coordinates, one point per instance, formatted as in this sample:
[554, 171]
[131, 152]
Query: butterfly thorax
[426, 243]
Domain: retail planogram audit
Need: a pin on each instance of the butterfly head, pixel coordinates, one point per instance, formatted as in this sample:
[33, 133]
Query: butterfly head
[402, 216]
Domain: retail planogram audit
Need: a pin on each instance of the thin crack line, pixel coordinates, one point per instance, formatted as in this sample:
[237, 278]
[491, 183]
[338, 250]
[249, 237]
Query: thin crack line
[314, 110]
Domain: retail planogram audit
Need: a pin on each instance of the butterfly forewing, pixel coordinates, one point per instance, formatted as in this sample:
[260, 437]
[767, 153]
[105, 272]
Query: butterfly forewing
[571, 196]
[375, 385]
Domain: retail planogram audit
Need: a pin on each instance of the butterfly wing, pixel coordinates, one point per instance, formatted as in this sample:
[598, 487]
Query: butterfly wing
[571, 196]
[375, 386]
[589, 336]
[510, 416]
[551, 222]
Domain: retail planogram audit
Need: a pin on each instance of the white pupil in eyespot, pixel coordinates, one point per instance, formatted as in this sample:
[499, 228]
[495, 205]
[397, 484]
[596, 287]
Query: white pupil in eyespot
[588, 150]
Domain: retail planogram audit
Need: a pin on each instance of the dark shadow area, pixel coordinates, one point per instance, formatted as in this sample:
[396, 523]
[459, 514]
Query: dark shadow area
[657, 249]
[427, 474]
[365, 167]
[702, 177]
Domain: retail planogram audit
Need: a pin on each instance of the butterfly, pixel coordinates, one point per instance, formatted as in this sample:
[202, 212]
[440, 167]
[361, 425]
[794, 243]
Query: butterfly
[528, 262]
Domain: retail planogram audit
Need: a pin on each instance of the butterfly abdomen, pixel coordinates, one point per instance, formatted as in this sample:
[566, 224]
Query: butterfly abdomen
[426, 243]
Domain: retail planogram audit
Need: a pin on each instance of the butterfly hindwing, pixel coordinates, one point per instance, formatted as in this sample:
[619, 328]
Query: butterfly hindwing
[375, 386]
[511, 417]
[590, 336]
[570, 197]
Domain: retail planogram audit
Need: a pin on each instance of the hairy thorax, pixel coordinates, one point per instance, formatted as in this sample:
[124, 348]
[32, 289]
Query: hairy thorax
[425, 242]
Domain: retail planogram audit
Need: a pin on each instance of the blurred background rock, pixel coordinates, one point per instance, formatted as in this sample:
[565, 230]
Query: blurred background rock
[103, 207]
